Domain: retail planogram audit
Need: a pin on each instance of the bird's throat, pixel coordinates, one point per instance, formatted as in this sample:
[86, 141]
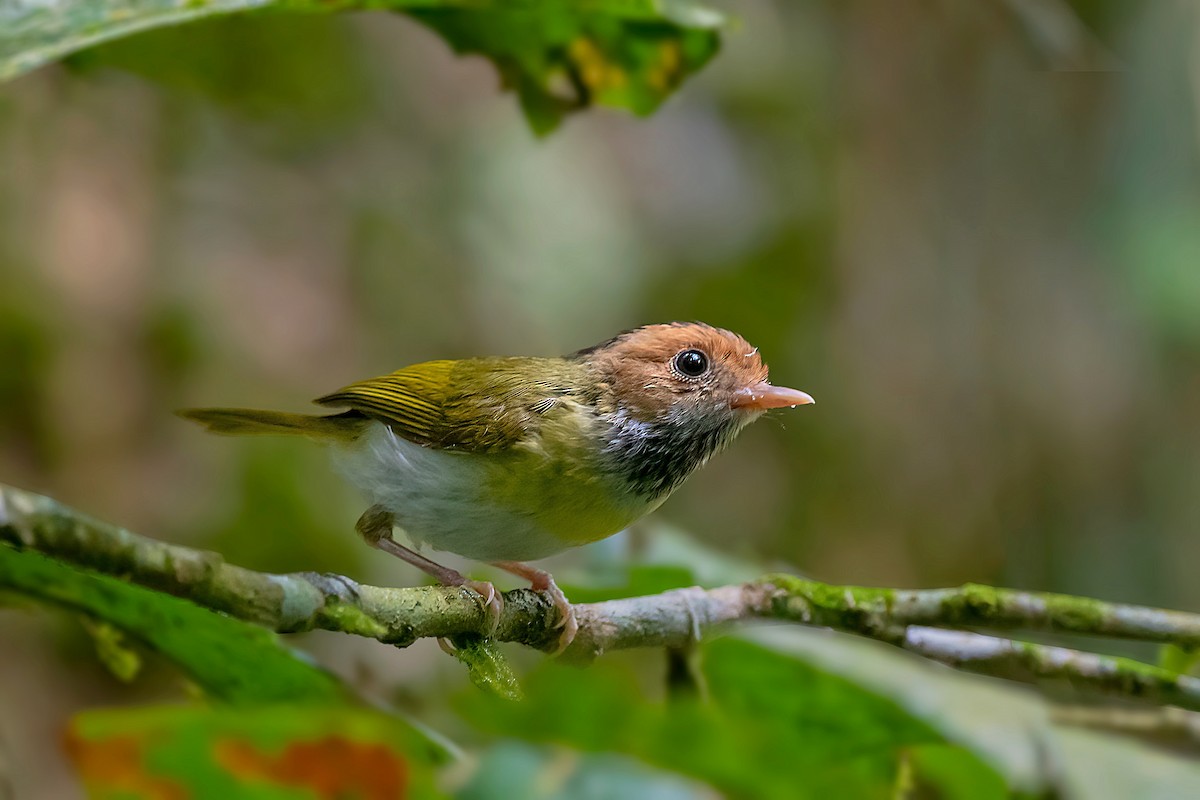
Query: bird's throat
[654, 457]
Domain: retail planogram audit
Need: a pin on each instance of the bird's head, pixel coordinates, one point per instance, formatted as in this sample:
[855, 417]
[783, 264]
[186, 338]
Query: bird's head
[672, 395]
[688, 370]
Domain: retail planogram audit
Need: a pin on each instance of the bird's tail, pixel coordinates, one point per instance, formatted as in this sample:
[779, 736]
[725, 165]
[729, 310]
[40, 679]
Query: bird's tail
[249, 422]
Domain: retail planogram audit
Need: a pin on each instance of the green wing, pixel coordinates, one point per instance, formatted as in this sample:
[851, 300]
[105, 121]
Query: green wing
[478, 405]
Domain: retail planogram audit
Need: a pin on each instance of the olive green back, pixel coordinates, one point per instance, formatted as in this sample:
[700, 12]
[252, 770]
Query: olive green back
[477, 404]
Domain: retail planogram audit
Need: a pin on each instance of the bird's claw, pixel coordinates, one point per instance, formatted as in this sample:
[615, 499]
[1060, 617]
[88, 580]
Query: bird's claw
[542, 581]
[567, 622]
[570, 627]
[493, 604]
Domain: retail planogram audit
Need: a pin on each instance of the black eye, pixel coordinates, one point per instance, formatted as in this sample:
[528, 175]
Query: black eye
[692, 363]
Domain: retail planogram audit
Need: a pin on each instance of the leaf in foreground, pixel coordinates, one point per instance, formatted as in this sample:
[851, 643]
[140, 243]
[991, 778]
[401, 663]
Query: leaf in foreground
[560, 56]
[1011, 727]
[531, 772]
[231, 660]
[269, 751]
[560, 60]
[774, 727]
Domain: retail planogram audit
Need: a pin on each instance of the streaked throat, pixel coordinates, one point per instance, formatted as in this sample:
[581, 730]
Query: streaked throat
[654, 457]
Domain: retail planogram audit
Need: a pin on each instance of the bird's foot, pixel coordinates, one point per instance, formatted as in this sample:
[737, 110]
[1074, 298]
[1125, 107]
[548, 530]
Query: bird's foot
[543, 581]
[493, 603]
[375, 526]
[566, 614]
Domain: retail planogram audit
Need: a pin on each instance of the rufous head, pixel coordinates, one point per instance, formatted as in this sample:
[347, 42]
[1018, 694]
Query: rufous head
[689, 368]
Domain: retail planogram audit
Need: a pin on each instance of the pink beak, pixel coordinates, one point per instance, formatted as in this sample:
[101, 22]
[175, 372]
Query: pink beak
[762, 396]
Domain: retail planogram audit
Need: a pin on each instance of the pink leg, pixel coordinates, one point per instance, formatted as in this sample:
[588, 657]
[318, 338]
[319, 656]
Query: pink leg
[543, 581]
[375, 526]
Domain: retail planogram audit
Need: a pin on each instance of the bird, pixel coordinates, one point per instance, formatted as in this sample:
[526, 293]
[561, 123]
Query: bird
[506, 460]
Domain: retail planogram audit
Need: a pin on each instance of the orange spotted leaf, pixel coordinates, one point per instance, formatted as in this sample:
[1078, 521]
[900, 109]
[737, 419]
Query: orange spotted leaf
[332, 767]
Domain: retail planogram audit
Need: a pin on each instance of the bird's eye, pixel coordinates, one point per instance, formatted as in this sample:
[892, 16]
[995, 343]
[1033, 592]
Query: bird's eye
[692, 363]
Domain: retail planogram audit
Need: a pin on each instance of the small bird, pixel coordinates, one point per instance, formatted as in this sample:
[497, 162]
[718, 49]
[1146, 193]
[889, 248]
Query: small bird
[507, 460]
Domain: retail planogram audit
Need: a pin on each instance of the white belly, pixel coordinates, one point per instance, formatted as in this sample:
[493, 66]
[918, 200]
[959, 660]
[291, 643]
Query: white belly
[441, 498]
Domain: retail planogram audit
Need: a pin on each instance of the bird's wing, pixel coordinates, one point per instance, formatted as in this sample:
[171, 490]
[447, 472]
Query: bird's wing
[475, 405]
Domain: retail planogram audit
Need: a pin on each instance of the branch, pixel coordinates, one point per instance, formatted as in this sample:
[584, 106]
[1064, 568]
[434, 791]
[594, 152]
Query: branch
[1028, 662]
[909, 619]
[974, 605]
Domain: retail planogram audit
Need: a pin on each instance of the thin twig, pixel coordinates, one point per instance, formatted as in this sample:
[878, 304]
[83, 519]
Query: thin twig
[1029, 662]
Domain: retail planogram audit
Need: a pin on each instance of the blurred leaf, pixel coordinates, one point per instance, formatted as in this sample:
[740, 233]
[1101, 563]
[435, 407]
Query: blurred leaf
[942, 770]
[230, 659]
[667, 558]
[639, 580]
[263, 67]
[1162, 251]
[776, 726]
[670, 546]
[275, 525]
[514, 769]
[25, 354]
[853, 737]
[559, 55]
[271, 751]
[1009, 728]
[1100, 765]
[562, 57]
[1178, 659]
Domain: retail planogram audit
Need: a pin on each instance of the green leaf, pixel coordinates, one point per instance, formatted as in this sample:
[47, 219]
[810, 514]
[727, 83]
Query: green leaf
[560, 59]
[775, 726]
[949, 771]
[231, 660]
[812, 726]
[1002, 733]
[262, 752]
[637, 580]
[668, 558]
[1178, 659]
[559, 56]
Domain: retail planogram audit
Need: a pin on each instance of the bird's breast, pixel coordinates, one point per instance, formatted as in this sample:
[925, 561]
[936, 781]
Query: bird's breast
[522, 503]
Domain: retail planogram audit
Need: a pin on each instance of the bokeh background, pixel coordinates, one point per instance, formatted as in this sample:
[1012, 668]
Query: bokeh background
[970, 230]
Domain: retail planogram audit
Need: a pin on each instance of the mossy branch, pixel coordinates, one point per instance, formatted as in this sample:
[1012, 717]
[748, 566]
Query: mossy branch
[915, 620]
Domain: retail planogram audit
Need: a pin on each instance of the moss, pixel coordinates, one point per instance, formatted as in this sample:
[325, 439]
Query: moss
[1076, 613]
[351, 619]
[852, 608]
[833, 597]
[1132, 678]
[487, 666]
[849, 599]
[789, 583]
[973, 601]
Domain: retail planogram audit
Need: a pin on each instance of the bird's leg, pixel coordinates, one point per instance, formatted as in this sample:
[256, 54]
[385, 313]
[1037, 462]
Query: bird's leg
[543, 581]
[375, 526]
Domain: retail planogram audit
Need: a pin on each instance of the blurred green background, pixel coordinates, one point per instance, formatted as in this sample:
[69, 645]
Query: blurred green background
[970, 230]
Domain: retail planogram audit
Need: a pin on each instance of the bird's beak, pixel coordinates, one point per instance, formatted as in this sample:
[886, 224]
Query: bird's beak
[762, 396]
